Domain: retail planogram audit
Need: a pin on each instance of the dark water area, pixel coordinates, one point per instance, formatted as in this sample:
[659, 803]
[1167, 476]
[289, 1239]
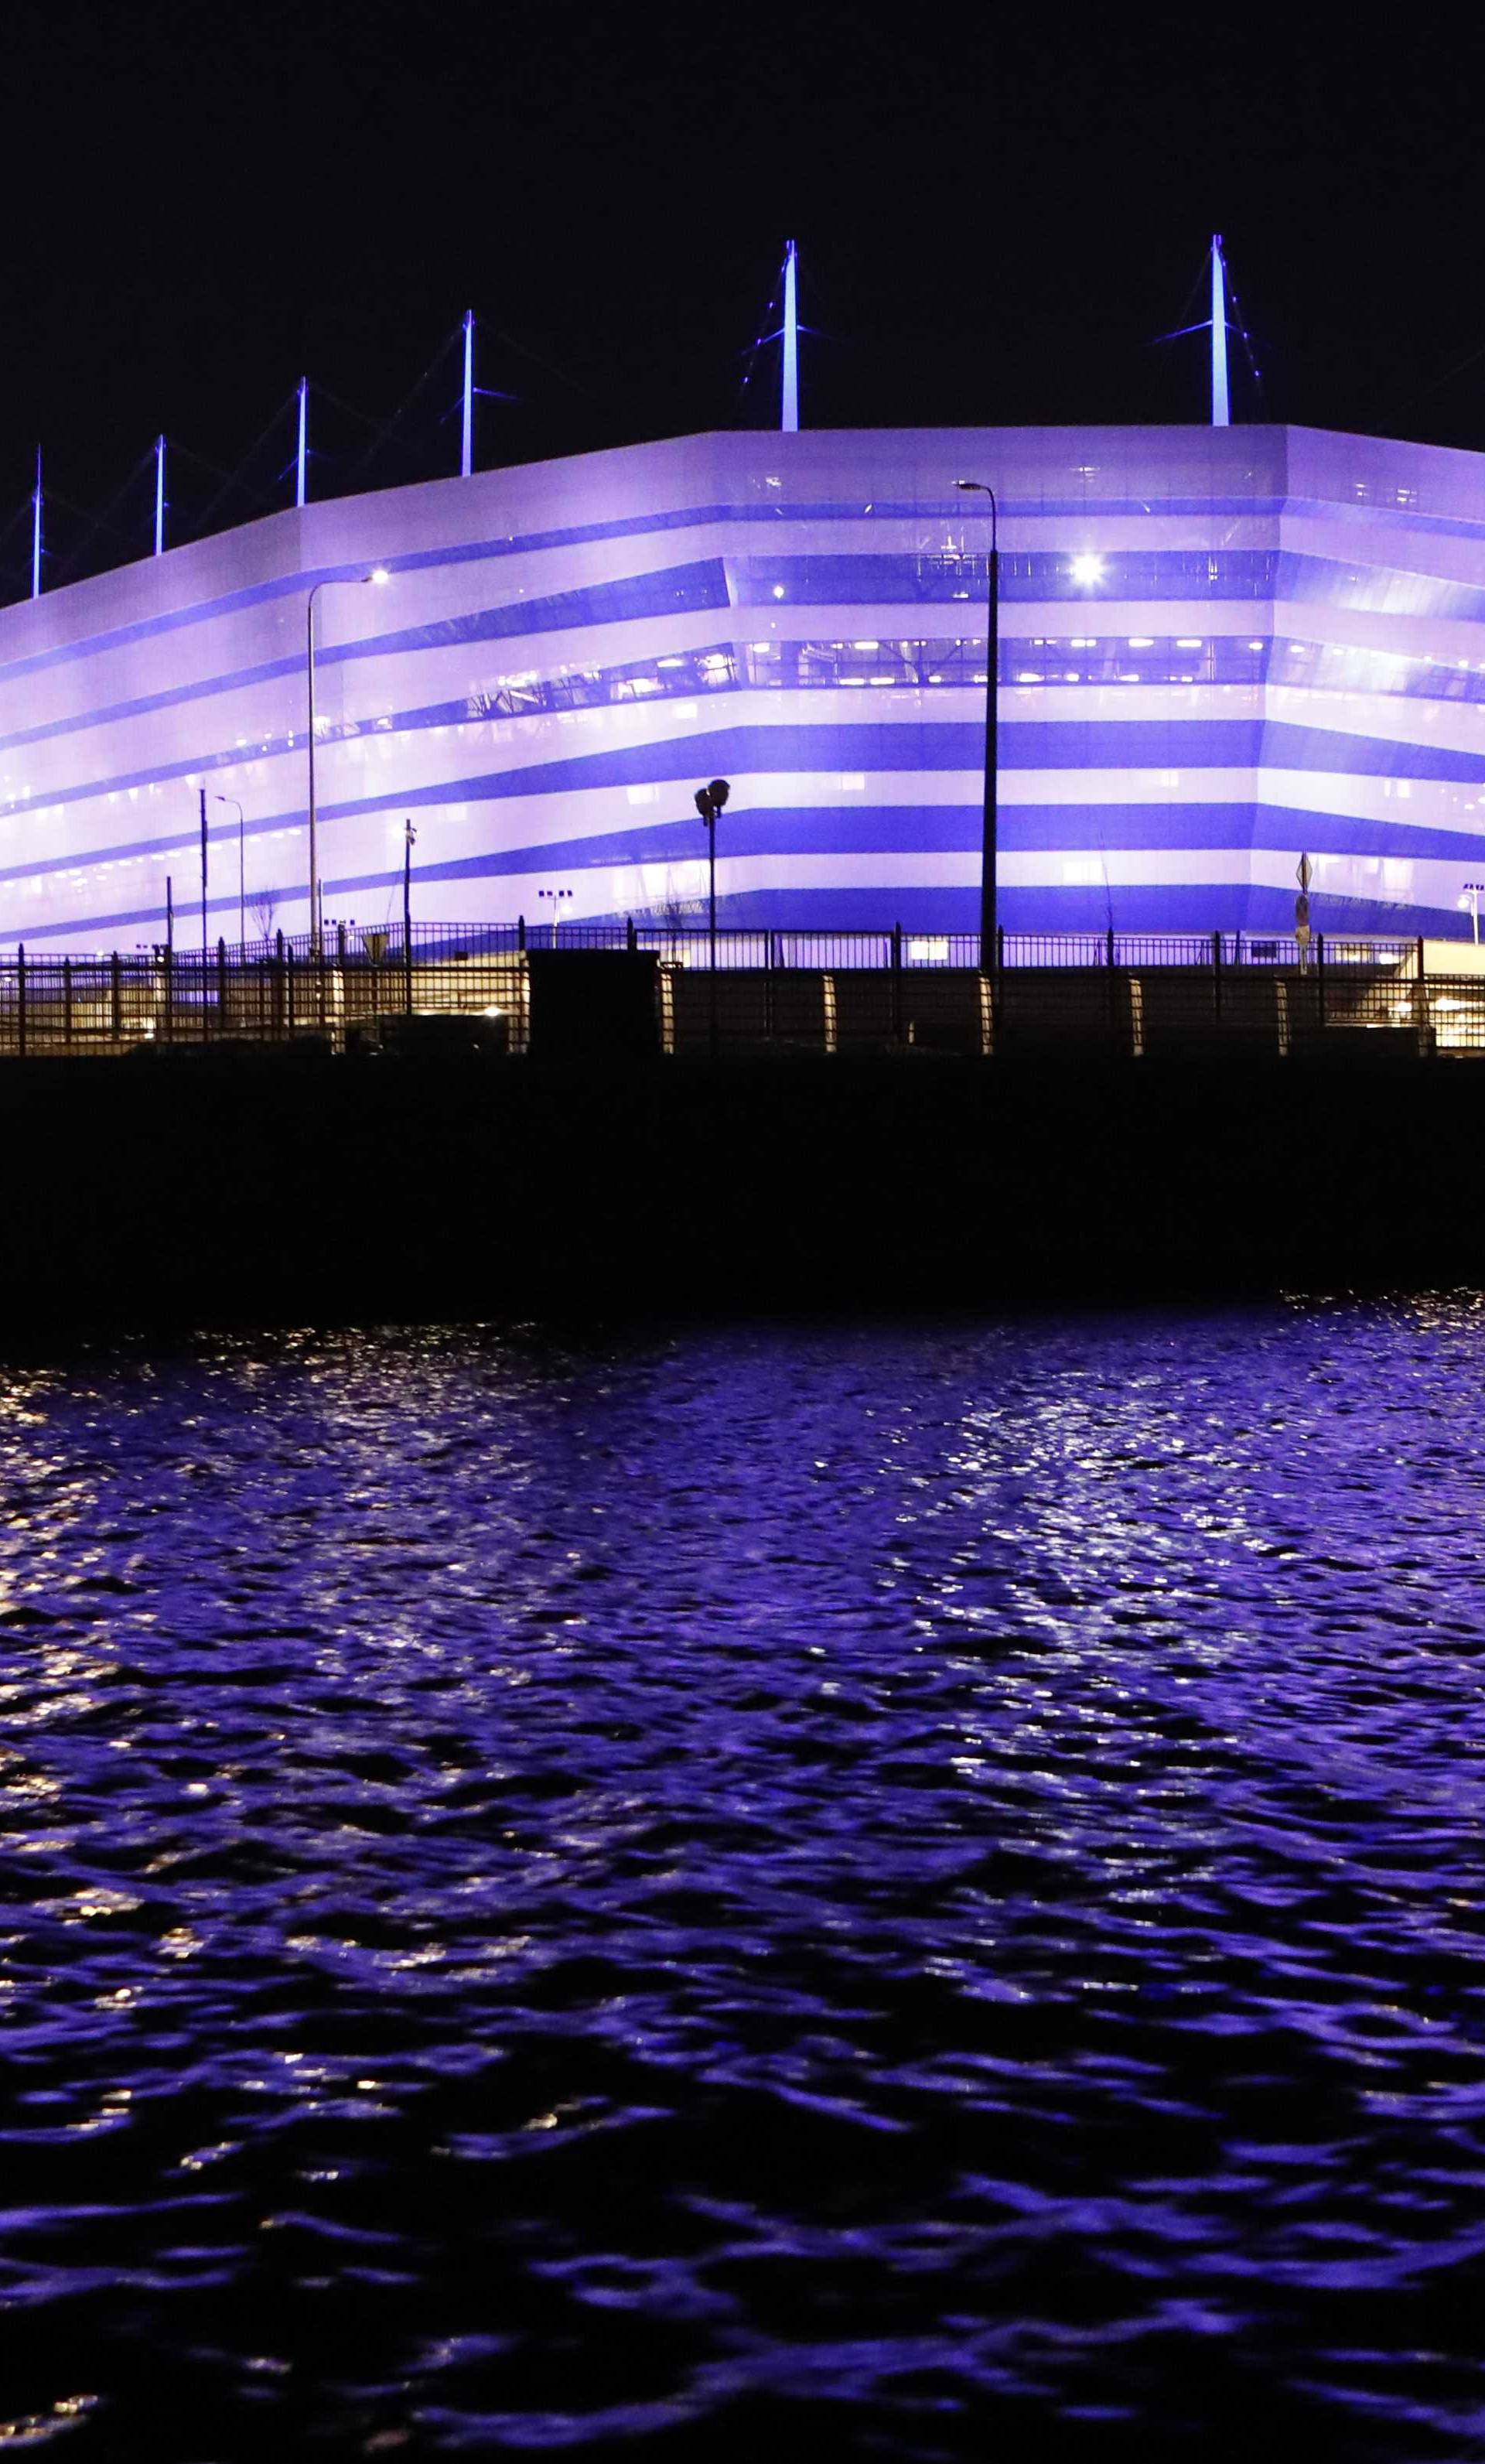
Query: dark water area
[913, 1892]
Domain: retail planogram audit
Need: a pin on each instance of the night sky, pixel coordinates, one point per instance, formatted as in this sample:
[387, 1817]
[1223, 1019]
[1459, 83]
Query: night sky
[997, 216]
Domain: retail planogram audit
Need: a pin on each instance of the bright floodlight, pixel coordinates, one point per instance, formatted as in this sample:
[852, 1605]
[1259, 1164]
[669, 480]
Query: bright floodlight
[1087, 570]
[379, 573]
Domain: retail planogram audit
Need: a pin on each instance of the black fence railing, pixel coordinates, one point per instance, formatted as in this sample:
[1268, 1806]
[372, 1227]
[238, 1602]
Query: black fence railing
[688, 943]
[470, 986]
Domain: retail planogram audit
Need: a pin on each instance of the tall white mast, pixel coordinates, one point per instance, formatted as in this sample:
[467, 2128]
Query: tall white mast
[160, 496]
[1221, 414]
[303, 457]
[790, 419]
[466, 456]
[35, 532]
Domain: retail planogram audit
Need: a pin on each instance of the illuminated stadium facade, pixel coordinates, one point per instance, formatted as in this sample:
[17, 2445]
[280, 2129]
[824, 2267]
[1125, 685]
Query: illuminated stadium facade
[1221, 648]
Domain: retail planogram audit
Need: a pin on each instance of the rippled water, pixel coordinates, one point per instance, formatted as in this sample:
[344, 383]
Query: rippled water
[919, 1891]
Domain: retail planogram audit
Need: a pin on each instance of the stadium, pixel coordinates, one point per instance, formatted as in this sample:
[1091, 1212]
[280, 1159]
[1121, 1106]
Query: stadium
[1221, 648]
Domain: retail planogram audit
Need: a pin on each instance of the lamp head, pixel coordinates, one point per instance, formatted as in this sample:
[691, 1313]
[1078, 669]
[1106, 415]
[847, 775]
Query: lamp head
[1087, 570]
[379, 574]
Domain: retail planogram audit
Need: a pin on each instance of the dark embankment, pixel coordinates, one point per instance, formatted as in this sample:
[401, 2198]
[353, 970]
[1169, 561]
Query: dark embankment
[260, 1187]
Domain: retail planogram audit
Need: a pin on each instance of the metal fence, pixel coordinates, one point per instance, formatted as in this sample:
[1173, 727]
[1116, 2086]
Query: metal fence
[468, 986]
[63, 1005]
[690, 944]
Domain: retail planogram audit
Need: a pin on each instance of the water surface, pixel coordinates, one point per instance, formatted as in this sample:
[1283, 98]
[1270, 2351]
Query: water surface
[918, 1891]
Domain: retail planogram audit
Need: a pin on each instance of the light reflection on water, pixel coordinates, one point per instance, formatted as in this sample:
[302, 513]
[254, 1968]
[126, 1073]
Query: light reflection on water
[909, 1887]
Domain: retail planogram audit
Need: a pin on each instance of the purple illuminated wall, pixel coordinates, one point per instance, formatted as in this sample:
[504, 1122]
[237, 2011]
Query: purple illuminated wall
[1221, 648]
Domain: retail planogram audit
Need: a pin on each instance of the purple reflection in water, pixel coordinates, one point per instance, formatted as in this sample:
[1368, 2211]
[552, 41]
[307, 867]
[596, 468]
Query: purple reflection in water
[911, 1888]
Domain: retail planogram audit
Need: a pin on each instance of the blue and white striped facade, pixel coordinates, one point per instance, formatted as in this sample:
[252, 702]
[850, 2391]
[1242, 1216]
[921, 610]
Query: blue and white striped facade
[1283, 651]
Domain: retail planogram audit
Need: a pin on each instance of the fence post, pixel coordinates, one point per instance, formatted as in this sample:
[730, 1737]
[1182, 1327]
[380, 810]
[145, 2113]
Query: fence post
[169, 1017]
[520, 932]
[289, 988]
[897, 983]
[1108, 947]
[1320, 974]
[408, 970]
[221, 985]
[67, 1003]
[339, 945]
[115, 988]
[632, 938]
[278, 982]
[20, 999]
[1217, 979]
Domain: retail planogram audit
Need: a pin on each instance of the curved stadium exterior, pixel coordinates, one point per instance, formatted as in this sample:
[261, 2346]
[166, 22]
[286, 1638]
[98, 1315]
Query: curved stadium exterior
[1220, 649]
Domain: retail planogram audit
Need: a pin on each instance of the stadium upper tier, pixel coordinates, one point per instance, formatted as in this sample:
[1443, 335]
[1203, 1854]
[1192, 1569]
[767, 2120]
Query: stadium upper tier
[1220, 649]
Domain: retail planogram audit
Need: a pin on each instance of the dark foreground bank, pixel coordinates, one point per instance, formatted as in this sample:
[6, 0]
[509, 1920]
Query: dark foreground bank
[258, 1187]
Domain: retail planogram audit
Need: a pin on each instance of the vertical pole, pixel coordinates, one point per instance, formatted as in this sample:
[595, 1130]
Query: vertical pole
[308, 686]
[221, 985]
[35, 532]
[67, 1003]
[711, 927]
[203, 897]
[410, 835]
[20, 999]
[169, 960]
[115, 989]
[160, 496]
[242, 885]
[302, 458]
[790, 409]
[1220, 415]
[467, 453]
[988, 849]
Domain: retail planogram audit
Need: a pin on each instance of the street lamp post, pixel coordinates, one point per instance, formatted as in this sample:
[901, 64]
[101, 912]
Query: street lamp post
[379, 574]
[557, 897]
[1475, 888]
[709, 801]
[242, 877]
[989, 945]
